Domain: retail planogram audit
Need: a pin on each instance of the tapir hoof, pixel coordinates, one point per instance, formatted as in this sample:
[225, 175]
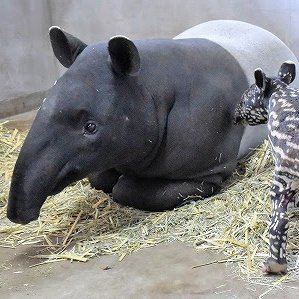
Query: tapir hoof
[104, 181]
[271, 266]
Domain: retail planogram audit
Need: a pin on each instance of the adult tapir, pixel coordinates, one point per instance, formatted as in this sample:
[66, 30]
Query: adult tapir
[150, 121]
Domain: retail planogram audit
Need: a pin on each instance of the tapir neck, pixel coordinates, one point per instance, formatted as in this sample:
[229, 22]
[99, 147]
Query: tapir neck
[161, 102]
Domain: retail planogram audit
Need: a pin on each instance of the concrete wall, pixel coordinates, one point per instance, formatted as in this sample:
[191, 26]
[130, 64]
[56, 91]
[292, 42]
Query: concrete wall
[27, 65]
[26, 62]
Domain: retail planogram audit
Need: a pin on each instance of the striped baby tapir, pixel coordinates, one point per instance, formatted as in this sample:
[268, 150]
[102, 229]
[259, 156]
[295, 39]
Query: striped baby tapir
[270, 100]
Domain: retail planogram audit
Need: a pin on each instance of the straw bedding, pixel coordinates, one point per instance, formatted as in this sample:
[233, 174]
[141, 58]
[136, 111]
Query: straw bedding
[80, 222]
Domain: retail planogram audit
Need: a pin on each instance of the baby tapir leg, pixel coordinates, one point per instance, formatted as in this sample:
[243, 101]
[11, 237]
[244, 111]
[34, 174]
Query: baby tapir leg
[105, 180]
[277, 262]
[156, 194]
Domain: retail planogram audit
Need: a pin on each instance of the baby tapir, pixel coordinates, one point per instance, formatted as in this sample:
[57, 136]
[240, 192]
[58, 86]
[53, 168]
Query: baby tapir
[271, 100]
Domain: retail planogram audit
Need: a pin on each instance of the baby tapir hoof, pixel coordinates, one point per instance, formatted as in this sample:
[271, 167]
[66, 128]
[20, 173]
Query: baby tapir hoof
[272, 266]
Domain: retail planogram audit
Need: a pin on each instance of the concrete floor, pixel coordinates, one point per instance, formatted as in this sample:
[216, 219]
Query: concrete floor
[163, 271]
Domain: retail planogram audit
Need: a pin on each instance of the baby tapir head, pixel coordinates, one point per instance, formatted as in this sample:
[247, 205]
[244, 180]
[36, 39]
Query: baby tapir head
[253, 106]
[97, 116]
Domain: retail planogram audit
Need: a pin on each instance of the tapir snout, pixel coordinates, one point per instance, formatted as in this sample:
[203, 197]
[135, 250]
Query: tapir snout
[24, 217]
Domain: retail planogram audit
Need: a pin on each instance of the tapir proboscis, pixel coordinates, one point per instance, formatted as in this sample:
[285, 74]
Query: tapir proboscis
[150, 121]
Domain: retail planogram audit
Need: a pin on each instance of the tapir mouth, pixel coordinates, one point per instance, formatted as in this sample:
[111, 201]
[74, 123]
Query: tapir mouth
[237, 120]
[237, 117]
[65, 178]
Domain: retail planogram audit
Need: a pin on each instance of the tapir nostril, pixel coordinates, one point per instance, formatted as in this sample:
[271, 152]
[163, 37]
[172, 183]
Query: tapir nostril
[11, 214]
[237, 120]
[25, 218]
[20, 215]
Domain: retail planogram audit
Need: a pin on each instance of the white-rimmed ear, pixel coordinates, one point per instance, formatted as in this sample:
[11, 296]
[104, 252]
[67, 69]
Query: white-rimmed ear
[65, 46]
[124, 55]
[260, 79]
[287, 72]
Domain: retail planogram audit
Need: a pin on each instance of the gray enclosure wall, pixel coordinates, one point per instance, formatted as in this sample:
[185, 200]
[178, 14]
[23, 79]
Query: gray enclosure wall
[28, 67]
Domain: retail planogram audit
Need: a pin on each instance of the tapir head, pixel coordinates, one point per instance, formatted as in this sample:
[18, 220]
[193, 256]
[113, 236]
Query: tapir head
[253, 106]
[94, 118]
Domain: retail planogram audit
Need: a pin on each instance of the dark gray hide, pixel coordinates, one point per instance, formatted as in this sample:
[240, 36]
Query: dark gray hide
[151, 121]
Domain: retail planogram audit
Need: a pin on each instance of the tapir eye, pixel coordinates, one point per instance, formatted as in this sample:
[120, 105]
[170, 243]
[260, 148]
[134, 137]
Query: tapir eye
[90, 127]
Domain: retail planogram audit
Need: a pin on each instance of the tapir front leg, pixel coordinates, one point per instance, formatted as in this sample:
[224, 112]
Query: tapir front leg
[277, 262]
[157, 194]
[104, 180]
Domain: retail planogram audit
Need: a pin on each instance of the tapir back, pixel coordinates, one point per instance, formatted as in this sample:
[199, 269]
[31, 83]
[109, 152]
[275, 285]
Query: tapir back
[197, 85]
[253, 47]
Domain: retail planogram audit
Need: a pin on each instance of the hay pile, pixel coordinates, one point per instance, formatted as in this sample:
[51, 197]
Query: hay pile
[81, 222]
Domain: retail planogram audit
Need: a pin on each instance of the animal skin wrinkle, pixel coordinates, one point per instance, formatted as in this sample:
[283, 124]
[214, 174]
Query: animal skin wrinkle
[67, 172]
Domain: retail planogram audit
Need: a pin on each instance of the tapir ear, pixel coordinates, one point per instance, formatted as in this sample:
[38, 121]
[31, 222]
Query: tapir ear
[287, 72]
[260, 79]
[124, 55]
[65, 46]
